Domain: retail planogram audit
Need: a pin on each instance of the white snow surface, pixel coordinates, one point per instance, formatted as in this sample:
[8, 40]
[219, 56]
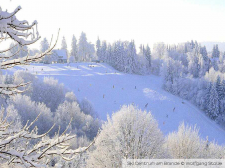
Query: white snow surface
[95, 82]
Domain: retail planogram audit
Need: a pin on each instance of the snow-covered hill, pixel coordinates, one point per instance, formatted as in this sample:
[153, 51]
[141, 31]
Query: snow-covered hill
[108, 89]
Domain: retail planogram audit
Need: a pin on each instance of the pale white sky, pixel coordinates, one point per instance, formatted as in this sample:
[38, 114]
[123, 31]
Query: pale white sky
[145, 21]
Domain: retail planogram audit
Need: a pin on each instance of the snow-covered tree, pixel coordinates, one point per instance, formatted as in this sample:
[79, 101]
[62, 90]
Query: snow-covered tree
[159, 50]
[29, 110]
[204, 61]
[129, 134]
[213, 106]
[85, 50]
[187, 144]
[70, 97]
[43, 47]
[64, 44]
[194, 66]
[184, 144]
[73, 53]
[82, 124]
[98, 49]
[87, 108]
[215, 52]
[148, 56]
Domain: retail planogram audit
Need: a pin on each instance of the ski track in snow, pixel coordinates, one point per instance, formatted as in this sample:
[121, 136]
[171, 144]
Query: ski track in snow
[108, 89]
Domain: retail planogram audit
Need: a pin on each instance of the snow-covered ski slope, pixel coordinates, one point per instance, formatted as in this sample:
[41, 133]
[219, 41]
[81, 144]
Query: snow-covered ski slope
[108, 89]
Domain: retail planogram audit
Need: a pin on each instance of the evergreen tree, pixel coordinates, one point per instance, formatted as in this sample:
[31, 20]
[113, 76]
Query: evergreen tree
[213, 106]
[64, 44]
[148, 56]
[44, 47]
[103, 51]
[204, 61]
[207, 96]
[98, 49]
[194, 66]
[73, 53]
[219, 89]
[215, 52]
[83, 47]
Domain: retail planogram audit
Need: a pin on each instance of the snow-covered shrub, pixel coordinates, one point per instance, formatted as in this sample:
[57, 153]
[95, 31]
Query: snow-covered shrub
[130, 133]
[81, 124]
[70, 97]
[50, 92]
[88, 108]
[187, 144]
[29, 110]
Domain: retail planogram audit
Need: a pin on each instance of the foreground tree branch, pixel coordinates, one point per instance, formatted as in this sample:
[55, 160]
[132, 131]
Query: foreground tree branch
[23, 34]
[39, 154]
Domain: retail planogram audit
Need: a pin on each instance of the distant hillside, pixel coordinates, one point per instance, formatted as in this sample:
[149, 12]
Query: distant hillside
[209, 45]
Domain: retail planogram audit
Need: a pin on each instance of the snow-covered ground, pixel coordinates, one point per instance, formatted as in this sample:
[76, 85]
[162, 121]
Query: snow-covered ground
[108, 89]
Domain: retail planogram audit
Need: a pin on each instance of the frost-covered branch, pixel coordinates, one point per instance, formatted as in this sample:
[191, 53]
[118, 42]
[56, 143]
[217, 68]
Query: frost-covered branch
[12, 28]
[15, 147]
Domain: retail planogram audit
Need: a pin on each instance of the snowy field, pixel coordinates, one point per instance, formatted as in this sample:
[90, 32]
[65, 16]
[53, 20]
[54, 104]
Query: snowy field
[108, 89]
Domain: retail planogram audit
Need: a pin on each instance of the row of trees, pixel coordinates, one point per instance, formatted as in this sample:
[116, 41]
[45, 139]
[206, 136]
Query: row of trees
[81, 51]
[123, 56]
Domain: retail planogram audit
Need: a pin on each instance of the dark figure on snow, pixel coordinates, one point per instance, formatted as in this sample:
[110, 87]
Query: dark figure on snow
[146, 105]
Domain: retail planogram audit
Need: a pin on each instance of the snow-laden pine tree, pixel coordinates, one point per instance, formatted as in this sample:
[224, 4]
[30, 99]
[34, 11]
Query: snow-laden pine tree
[73, 54]
[104, 52]
[204, 61]
[64, 44]
[82, 47]
[98, 49]
[129, 134]
[148, 56]
[213, 106]
[159, 50]
[23, 146]
[44, 47]
[85, 50]
[194, 66]
[215, 52]
[132, 58]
